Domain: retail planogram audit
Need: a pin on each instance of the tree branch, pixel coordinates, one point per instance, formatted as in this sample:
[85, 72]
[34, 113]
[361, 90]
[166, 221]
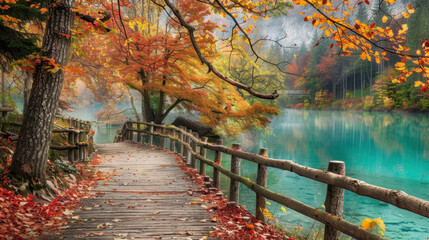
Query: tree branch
[209, 64]
[87, 18]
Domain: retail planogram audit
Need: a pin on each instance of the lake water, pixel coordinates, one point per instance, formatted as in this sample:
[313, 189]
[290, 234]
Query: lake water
[386, 149]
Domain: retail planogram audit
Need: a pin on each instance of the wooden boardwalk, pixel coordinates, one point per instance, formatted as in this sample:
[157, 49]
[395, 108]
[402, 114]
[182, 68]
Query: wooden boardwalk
[148, 199]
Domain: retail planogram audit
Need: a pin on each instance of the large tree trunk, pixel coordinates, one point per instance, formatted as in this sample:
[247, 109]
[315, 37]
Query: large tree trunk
[30, 158]
[3, 82]
[27, 89]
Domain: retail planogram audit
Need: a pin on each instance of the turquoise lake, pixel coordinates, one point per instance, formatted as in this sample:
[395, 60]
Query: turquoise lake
[390, 150]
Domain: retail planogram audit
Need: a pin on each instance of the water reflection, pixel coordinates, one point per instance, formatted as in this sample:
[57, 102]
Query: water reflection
[105, 133]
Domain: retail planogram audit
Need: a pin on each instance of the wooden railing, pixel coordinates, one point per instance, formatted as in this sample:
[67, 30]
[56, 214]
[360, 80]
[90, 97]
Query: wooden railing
[334, 177]
[79, 143]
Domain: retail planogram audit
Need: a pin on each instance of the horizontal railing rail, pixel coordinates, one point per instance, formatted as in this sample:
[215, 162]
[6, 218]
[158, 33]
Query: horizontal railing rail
[79, 137]
[335, 178]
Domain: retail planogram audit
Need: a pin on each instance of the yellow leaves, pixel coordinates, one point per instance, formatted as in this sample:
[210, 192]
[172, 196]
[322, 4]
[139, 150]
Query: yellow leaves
[390, 1]
[403, 30]
[384, 19]
[283, 209]
[418, 83]
[400, 66]
[368, 224]
[405, 15]
[266, 213]
[308, 18]
[328, 32]
[371, 224]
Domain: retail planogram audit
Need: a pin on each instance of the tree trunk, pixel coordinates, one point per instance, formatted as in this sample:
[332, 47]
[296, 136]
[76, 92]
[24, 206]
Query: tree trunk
[147, 111]
[133, 106]
[30, 158]
[3, 82]
[27, 89]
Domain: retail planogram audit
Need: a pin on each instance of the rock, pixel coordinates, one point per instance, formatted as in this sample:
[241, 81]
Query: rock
[73, 178]
[52, 186]
[23, 187]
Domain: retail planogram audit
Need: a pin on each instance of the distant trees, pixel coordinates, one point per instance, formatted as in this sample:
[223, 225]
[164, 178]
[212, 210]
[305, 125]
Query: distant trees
[358, 77]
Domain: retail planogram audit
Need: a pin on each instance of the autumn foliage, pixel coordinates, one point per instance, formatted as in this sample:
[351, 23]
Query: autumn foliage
[26, 217]
[233, 221]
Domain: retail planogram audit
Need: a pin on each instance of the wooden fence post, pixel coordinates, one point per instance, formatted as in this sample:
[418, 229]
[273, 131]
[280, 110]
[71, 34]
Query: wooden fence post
[70, 140]
[203, 151]
[185, 150]
[334, 201]
[180, 147]
[126, 132]
[218, 160]
[130, 132]
[261, 179]
[172, 143]
[235, 168]
[86, 147]
[162, 138]
[139, 134]
[76, 145]
[150, 134]
[80, 140]
[194, 149]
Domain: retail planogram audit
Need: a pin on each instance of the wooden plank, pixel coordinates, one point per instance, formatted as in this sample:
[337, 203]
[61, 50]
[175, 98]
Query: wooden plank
[148, 198]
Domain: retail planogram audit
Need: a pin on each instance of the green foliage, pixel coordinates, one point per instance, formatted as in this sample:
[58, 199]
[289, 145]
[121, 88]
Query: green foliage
[424, 103]
[306, 104]
[323, 98]
[368, 103]
[349, 95]
[16, 42]
[60, 165]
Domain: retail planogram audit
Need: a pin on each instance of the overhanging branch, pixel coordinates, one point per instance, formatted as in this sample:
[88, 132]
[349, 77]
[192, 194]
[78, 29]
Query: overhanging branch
[239, 85]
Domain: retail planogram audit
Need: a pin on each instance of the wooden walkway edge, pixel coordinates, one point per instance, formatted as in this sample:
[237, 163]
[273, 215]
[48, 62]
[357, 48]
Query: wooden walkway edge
[149, 198]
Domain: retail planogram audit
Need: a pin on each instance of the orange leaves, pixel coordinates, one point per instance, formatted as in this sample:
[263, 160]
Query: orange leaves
[5, 7]
[362, 38]
[300, 2]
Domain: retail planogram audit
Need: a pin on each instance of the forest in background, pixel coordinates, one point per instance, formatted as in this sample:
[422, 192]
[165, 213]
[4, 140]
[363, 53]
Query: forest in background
[348, 82]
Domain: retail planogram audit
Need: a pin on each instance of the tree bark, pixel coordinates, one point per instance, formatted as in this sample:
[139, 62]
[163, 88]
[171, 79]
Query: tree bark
[30, 158]
[3, 93]
[27, 89]
[148, 113]
[133, 106]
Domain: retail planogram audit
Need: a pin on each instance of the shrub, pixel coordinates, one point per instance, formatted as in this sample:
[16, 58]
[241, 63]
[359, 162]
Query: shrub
[368, 103]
